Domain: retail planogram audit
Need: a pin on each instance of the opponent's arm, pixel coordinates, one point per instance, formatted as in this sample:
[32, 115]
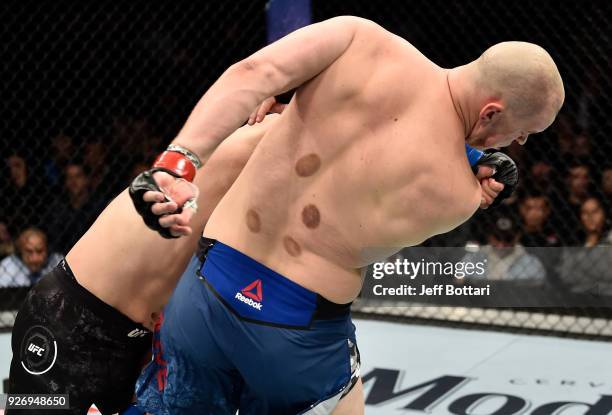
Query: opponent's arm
[277, 68]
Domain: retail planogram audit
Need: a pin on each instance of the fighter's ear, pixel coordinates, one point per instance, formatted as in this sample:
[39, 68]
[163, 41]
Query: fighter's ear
[490, 112]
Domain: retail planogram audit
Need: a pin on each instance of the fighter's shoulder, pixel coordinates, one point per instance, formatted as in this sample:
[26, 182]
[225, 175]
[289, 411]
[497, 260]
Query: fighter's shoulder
[358, 26]
[370, 37]
[354, 21]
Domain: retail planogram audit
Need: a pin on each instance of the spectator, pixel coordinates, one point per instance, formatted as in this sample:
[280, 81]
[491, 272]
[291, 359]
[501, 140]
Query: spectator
[582, 146]
[537, 234]
[578, 180]
[534, 209]
[567, 209]
[564, 129]
[62, 149]
[587, 270]
[595, 223]
[541, 173]
[6, 242]
[24, 195]
[134, 138]
[505, 258]
[70, 216]
[30, 262]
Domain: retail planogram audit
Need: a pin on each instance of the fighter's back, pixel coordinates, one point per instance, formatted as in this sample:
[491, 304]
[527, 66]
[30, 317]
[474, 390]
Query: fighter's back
[363, 156]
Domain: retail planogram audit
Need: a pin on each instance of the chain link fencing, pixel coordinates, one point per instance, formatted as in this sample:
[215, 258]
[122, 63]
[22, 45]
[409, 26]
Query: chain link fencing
[91, 92]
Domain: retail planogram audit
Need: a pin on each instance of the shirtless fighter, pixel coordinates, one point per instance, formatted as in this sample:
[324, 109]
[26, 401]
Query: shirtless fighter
[368, 153]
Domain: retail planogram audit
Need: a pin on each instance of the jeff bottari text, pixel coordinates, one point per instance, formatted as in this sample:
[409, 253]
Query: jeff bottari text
[436, 290]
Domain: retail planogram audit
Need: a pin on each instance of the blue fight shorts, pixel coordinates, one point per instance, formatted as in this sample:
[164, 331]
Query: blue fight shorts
[238, 336]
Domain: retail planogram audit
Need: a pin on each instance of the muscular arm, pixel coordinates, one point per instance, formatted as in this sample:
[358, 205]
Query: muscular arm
[275, 69]
[119, 258]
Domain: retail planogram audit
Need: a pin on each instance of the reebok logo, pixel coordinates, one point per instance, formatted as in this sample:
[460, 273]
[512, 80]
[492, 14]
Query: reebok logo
[252, 295]
[37, 350]
[254, 291]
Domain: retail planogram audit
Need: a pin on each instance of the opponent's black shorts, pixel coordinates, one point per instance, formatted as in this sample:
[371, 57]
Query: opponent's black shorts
[67, 341]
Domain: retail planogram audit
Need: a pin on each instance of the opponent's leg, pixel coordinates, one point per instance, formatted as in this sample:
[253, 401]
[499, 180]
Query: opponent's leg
[352, 403]
[41, 358]
[67, 341]
[190, 372]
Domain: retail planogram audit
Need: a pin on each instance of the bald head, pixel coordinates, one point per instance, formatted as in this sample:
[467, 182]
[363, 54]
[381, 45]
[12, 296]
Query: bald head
[522, 74]
[32, 246]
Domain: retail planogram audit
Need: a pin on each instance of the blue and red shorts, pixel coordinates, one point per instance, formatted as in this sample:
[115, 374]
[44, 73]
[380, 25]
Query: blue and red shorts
[237, 335]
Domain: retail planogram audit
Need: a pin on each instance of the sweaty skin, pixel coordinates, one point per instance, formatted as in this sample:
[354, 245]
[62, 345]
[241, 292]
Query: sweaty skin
[135, 270]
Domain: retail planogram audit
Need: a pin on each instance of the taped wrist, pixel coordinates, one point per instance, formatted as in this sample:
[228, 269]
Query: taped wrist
[143, 183]
[179, 160]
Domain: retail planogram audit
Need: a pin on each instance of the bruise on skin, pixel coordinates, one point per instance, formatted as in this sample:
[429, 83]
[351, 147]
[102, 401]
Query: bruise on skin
[308, 165]
[311, 216]
[253, 221]
[291, 246]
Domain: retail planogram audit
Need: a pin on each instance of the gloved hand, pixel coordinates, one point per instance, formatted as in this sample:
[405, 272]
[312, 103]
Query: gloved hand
[505, 173]
[168, 181]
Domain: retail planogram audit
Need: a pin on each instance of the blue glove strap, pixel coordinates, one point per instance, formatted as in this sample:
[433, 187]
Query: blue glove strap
[473, 155]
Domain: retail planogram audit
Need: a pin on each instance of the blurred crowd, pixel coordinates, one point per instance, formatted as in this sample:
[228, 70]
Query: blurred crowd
[53, 195]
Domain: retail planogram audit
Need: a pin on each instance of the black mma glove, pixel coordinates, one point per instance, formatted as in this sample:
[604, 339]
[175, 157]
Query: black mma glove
[143, 183]
[506, 172]
[176, 161]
